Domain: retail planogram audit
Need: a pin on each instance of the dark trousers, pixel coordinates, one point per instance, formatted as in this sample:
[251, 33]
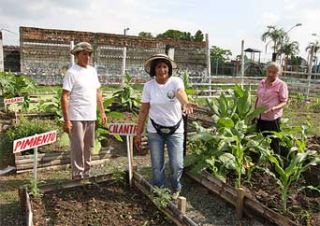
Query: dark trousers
[273, 125]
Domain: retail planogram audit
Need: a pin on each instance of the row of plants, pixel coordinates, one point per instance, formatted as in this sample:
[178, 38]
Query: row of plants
[233, 150]
[124, 100]
[12, 85]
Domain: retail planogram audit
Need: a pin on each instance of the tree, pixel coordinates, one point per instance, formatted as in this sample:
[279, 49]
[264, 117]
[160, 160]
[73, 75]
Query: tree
[198, 36]
[220, 55]
[289, 49]
[277, 36]
[176, 35]
[145, 34]
[313, 48]
[181, 35]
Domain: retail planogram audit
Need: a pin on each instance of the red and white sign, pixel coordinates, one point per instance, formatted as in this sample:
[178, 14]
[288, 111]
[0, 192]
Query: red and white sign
[13, 100]
[123, 128]
[37, 140]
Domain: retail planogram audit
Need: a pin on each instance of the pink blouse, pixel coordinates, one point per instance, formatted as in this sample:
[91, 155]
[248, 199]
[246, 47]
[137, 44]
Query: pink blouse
[272, 96]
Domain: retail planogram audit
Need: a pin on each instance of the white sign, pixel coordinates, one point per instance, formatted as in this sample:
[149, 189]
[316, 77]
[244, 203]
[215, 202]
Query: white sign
[37, 140]
[14, 100]
[123, 128]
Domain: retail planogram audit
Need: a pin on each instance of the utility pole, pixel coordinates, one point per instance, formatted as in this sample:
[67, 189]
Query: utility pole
[124, 57]
[208, 61]
[242, 62]
[71, 55]
[1, 54]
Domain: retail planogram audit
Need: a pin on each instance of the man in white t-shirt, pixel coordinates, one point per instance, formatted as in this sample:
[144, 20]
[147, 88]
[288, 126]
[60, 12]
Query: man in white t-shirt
[79, 101]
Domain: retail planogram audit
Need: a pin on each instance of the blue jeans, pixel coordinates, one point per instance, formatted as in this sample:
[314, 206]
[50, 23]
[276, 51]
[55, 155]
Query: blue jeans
[175, 152]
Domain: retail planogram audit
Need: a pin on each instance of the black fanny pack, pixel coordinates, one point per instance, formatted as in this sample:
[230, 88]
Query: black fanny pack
[165, 130]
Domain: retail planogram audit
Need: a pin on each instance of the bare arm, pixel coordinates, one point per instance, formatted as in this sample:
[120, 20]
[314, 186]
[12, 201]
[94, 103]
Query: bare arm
[277, 107]
[65, 106]
[101, 108]
[183, 99]
[143, 114]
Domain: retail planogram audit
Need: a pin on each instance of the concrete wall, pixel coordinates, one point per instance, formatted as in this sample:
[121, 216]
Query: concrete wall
[45, 53]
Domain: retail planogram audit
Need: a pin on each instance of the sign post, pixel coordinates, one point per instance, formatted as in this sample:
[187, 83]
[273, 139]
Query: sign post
[129, 130]
[14, 100]
[33, 142]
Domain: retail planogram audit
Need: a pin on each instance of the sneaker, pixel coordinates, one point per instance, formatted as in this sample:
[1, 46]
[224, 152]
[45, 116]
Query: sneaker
[175, 195]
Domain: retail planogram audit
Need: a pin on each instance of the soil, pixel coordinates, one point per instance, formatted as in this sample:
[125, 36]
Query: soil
[300, 204]
[108, 203]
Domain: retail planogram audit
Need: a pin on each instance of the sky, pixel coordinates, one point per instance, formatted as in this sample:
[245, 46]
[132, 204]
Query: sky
[226, 22]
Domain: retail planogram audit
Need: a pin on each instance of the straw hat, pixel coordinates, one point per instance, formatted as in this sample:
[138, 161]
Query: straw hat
[82, 46]
[148, 62]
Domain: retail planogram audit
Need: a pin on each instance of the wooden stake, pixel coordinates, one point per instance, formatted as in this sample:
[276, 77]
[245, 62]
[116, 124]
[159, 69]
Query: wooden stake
[239, 203]
[182, 204]
[129, 160]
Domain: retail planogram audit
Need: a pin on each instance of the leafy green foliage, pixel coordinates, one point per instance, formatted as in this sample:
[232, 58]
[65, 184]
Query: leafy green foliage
[219, 55]
[227, 147]
[145, 34]
[24, 129]
[316, 106]
[180, 35]
[119, 175]
[34, 188]
[125, 97]
[289, 173]
[53, 106]
[16, 85]
[162, 197]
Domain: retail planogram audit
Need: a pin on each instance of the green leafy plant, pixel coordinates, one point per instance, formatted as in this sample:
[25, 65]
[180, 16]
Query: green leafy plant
[53, 105]
[16, 85]
[119, 175]
[124, 98]
[162, 197]
[287, 175]
[227, 147]
[34, 188]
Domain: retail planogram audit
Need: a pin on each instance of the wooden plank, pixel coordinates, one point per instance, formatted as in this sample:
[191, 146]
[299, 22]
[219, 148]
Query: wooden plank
[147, 188]
[249, 203]
[45, 159]
[61, 166]
[171, 211]
[54, 154]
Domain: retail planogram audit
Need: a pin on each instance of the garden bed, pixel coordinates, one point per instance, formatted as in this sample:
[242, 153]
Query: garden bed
[99, 201]
[261, 199]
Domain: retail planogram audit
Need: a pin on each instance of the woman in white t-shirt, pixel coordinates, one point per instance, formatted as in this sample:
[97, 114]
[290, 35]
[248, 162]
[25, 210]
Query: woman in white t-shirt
[164, 100]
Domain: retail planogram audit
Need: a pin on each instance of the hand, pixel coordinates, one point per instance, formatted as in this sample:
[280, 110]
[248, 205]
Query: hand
[103, 118]
[269, 110]
[67, 126]
[137, 142]
[187, 108]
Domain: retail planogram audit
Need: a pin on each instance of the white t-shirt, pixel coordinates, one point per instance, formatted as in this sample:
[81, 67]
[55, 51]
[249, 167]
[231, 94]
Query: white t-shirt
[165, 108]
[82, 83]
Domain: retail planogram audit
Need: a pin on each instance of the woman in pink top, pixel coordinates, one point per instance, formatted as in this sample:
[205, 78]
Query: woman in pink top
[272, 94]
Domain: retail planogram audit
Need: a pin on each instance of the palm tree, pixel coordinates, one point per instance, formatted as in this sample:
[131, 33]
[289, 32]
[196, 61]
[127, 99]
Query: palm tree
[313, 49]
[277, 36]
[289, 49]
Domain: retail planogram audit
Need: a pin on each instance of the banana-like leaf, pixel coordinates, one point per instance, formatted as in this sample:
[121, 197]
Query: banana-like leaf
[225, 122]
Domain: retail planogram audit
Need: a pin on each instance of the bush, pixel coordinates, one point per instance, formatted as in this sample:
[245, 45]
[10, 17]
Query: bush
[24, 129]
